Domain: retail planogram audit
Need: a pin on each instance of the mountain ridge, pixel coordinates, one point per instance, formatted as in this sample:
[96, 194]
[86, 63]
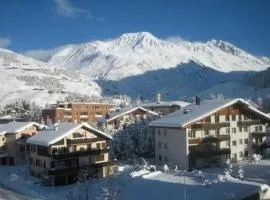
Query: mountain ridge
[136, 53]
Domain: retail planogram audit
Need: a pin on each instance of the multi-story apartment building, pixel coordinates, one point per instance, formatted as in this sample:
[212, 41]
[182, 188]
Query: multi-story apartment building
[119, 119]
[164, 107]
[209, 133]
[75, 112]
[60, 153]
[12, 141]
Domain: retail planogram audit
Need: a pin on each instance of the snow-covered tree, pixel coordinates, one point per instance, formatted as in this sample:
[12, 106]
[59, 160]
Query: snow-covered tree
[241, 172]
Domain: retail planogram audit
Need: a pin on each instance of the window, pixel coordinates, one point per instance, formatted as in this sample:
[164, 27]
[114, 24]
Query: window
[241, 141]
[233, 130]
[241, 154]
[98, 145]
[77, 135]
[245, 129]
[235, 156]
[165, 159]
[103, 144]
[165, 146]
[159, 145]
[99, 157]
[165, 133]
[234, 143]
[44, 164]
[88, 146]
[245, 117]
[191, 134]
[227, 118]
[258, 128]
[216, 118]
[159, 158]
[240, 129]
[159, 132]
[228, 130]
[227, 143]
[246, 141]
[240, 117]
[233, 118]
[206, 133]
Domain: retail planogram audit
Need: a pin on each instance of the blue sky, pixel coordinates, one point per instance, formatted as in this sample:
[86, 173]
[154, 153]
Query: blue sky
[44, 24]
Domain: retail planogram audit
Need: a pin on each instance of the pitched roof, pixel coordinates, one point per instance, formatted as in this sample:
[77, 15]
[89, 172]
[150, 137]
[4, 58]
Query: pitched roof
[14, 127]
[122, 112]
[197, 112]
[165, 103]
[50, 136]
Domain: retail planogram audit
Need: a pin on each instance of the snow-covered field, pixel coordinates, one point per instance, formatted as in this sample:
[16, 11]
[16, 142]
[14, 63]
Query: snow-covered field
[135, 182]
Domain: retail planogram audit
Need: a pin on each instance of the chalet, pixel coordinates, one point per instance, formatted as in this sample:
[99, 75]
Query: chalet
[119, 119]
[12, 141]
[209, 133]
[58, 154]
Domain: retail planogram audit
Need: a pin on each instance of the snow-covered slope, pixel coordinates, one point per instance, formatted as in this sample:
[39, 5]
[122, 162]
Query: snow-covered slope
[32, 80]
[136, 53]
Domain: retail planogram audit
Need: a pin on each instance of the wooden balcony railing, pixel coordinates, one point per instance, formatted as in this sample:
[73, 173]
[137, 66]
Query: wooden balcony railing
[207, 153]
[248, 123]
[209, 139]
[66, 154]
[260, 134]
[82, 140]
[210, 125]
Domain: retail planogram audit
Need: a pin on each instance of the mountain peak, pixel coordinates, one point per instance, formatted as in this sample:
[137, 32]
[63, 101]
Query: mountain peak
[225, 46]
[139, 40]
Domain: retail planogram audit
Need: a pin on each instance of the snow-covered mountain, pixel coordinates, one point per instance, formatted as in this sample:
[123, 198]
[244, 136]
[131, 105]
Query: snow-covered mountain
[26, 78]
[136, 53]
[135, 64]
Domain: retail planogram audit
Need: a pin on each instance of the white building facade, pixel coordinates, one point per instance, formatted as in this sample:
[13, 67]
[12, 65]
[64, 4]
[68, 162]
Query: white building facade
[209, 134]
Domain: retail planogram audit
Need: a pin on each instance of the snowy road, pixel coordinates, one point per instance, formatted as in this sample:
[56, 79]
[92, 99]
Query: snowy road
[6, 194]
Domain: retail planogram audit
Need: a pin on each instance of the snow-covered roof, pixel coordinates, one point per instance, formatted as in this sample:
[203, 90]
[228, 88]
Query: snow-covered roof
[14, 127]
[197, 112]
[126, 111]
[50, 136]
[165, 103]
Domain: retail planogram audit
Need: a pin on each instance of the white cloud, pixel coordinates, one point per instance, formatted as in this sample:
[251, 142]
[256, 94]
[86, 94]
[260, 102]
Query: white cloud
[42, 55]
[176, 39]
[65, 9]
[4, 42]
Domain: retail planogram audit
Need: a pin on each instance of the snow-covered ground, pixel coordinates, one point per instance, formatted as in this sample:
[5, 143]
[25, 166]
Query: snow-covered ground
[134, 182]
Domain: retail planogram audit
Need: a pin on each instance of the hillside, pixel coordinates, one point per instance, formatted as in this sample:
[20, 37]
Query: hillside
[26, 78]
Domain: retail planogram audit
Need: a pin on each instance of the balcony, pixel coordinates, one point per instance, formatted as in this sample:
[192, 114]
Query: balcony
[212, 152]
[260, 134]
[248, 123]
[83, 116]
[82, 140]
[69, 169]
[67, 154]
[64, 170]
[209, 139]
[210, 125]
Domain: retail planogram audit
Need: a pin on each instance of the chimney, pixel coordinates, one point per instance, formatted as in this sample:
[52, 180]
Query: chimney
[158, 98]
[197, 100]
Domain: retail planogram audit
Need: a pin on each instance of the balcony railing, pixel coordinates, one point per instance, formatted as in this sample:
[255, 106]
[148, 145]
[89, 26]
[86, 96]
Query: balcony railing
[210, 125]
[209, 139]
[66, 154]
[248, 123]
[207, 153]
[260, 134]
[82, 140]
